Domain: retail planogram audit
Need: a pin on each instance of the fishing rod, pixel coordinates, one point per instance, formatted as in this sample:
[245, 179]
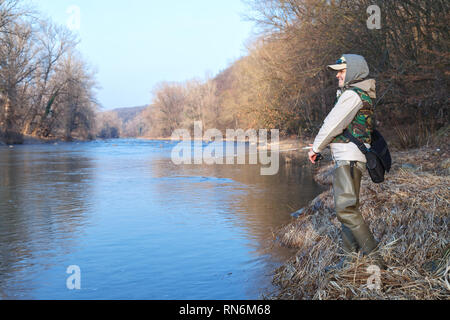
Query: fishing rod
[253, 154]
[318, 158]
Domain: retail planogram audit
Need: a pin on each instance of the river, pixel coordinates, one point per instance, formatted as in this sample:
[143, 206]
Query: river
[137, 226]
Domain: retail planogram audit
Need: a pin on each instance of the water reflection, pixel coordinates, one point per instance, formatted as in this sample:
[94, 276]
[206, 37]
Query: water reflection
[263, 202]
[139, 226]
[43, 203]
[255, 206]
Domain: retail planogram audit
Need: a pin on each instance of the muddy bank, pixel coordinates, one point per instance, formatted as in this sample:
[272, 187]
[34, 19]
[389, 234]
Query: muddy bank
[409, 214]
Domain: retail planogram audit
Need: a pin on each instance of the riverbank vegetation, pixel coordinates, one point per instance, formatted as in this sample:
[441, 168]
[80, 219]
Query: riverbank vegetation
[409, 214]
[46, 88]
[282, 82]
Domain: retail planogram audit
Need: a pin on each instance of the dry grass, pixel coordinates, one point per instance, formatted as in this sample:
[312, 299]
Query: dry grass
[409, 214]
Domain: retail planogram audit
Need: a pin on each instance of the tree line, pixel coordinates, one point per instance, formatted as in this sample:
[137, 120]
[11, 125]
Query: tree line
[46, 88]
[282, 83]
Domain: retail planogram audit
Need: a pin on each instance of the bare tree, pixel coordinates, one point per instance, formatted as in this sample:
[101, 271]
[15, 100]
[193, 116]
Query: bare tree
[17, 55]
[47, 89]
[108, 125]
[168, 108]
[54, 43]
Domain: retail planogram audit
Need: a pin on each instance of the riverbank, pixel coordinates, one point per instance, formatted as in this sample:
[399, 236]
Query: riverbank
[409, 214]
[32, 140]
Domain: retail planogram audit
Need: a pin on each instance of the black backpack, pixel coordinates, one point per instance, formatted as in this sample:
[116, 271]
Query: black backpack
[378, 157]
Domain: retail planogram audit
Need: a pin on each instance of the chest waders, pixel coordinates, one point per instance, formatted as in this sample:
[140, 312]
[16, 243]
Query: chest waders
[355, 233]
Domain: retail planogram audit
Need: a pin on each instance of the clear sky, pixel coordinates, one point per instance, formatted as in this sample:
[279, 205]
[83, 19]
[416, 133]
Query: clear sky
[136, 44]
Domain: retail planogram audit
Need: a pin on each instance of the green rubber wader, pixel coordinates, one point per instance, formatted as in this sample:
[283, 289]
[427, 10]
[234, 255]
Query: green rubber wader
[346, 185]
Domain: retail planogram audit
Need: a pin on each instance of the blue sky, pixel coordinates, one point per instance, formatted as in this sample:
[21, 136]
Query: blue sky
[136, 44]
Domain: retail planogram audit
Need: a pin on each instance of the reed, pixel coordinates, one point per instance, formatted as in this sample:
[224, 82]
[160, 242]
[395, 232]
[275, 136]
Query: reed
[409, 214]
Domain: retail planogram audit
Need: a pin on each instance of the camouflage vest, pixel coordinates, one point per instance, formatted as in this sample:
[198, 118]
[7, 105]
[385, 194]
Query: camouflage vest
[362, 125]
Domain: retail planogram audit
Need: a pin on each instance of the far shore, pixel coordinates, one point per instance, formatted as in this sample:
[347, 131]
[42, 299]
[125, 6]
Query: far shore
[285, 144]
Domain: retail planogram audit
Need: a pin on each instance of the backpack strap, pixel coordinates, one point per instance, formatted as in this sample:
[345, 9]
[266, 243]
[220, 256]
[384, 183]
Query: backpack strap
[361, 146]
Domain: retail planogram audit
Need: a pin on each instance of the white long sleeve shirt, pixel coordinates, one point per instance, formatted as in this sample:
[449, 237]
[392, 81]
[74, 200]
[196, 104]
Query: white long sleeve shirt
[334, 125]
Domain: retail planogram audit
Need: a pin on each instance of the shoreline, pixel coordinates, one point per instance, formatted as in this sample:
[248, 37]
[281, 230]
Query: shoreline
[32, 140]
[284, 143]
[409, 214]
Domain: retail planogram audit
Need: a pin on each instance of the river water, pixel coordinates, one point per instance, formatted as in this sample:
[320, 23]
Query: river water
[137, 226]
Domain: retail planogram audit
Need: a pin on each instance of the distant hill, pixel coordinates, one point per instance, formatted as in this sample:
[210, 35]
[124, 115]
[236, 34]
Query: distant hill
[128, 114]
[121, 122]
